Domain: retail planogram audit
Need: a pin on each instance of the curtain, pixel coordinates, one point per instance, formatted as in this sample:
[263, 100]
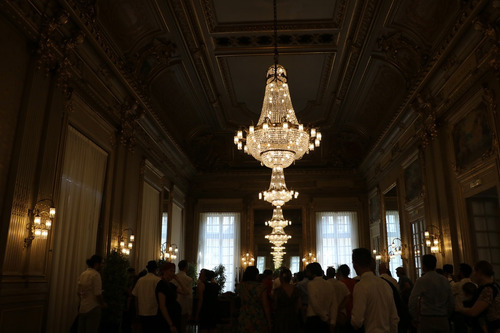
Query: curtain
[75, 227]
[336, 237]
[219, 243]
[149, 241]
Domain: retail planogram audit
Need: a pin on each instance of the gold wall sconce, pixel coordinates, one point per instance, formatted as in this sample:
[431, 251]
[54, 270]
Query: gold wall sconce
[126, 241]
[41, 218]
[247, 260]
[433, 238]
[169, 252]
[397, 248]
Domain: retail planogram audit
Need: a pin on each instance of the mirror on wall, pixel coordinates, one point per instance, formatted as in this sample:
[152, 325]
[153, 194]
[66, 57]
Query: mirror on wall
[263, 258]
[395, 245]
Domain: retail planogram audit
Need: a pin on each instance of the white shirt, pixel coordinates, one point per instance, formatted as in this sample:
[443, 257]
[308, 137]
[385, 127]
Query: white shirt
[144, 290]
[320, 297]
[392, 280]
[458, 292]
[89, 287]
[373, 305]
[340, 292]
[186, 301]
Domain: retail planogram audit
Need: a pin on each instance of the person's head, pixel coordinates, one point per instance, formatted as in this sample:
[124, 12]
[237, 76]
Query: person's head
[483, 272]
[250, 274]
[95, 262]
[330, 273]
[428, 262]
[343, 271]
[382, 268]
[314, 269]
[299, 275]
[267, 274]
[152, 266]
[401, 271]
[183, 265]
[209, 275]
[448, 269]
[285, 275]
[464, 271]
[203, 276]
[361, 260]
[167, 271]
[469, 289]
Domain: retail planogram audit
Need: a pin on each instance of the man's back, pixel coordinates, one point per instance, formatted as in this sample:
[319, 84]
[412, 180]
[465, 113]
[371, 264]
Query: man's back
[144, 290]
[431, 296]
[374, 306]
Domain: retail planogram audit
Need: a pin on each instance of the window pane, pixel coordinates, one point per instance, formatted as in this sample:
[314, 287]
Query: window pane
[218, 244]
[336, 238]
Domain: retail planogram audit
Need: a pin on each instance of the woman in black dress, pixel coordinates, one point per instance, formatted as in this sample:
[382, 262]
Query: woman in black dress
[169, 310]
[208, 292]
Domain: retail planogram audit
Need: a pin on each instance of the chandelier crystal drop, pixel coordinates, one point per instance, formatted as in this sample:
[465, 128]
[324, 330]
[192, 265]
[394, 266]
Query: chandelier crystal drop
[278, 194]
[278, 139]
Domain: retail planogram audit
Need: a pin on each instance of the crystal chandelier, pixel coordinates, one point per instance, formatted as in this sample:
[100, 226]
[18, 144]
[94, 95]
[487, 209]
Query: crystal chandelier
[278, 194]
[278, 221]
[278, 139]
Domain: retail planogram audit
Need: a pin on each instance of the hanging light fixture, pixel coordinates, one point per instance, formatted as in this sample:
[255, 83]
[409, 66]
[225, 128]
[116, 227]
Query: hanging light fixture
[278, 194]
[277, 221]
[278, 139]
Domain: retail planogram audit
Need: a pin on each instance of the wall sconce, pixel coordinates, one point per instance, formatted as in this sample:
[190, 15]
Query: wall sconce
[40, 222]
[247, 260]
[397, 248]
[168, 253]
[432, 238]
[309, 258]
[126, 241]
[382, 255]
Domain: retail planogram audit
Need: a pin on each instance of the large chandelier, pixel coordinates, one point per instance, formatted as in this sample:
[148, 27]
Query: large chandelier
[278, 139]
[278, 194]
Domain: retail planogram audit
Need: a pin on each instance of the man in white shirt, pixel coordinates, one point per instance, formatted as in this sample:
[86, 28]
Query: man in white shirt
[145, 298]
[90, 294]
[185, 300]
[373, 304]
[384, 274]
[338, 315]
[320, 297]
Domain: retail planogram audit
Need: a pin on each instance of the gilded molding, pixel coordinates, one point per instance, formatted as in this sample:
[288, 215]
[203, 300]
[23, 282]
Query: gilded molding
[54, 53]
[130, 113]
[428, 126]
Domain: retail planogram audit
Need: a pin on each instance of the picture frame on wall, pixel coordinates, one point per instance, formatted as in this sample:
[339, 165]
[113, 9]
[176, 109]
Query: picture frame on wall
[413, 181]
[473, 137]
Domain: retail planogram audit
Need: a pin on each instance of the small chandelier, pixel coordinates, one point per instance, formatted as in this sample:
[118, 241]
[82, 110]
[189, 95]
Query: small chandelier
[40, 221]
[278, 254]
[278, 194]
[278, 139]
[278, 221]
[168, 252]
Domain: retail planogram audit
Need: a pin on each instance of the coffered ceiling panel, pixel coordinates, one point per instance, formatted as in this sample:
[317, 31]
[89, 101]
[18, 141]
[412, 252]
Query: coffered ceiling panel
[352, 66]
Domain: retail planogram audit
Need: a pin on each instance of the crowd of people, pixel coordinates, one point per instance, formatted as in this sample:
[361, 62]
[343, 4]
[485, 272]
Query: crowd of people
[312, 300]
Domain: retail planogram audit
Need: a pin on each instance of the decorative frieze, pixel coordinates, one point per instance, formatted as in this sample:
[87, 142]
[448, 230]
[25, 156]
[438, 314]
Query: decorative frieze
[130, 113]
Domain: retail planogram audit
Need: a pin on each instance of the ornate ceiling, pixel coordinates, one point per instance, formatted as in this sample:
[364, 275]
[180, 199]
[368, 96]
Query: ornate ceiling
[353, 67]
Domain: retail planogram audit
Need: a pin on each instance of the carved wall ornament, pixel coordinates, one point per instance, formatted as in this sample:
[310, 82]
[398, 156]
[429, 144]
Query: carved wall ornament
[130, 113]
[153, 59]
[54, 50]
[403, 53]
[428, 130]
